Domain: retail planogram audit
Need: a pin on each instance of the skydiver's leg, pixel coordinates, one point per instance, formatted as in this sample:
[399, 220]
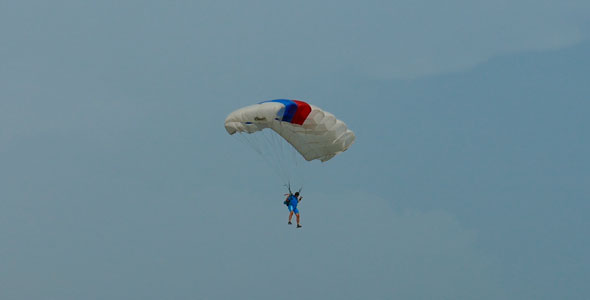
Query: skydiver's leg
[297, 216]
[290, 216]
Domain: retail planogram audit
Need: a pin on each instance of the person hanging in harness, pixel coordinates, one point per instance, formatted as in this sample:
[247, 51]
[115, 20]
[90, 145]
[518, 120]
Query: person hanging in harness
[291, 201]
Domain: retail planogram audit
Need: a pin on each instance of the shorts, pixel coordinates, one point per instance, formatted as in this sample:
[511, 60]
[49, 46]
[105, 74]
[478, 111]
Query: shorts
[293, 208]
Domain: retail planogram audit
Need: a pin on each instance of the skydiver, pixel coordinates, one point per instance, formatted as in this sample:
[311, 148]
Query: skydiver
[291, 201]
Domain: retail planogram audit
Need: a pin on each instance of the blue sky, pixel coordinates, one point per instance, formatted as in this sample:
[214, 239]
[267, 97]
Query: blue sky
[469, 178]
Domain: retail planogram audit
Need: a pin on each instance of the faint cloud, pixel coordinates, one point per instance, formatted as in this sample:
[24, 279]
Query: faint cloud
[352, 245]
[404, 39]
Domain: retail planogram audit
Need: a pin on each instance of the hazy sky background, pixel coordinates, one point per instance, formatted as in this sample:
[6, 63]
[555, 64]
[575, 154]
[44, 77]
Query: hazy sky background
[469, 178]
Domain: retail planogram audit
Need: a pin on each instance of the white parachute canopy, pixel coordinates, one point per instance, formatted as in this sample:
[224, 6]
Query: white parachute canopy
[277, 127]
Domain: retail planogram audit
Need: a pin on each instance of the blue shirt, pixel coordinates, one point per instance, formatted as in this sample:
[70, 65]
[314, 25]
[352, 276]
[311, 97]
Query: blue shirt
[293, 200]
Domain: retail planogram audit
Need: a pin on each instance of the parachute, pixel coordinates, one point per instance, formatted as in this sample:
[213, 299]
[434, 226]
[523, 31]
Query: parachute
[312, 132]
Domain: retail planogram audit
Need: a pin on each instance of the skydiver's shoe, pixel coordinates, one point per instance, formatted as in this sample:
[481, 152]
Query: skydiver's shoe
[298, 226]
[289, 223]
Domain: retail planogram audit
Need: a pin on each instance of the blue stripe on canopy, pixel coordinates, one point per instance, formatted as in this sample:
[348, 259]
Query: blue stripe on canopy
[290, 108]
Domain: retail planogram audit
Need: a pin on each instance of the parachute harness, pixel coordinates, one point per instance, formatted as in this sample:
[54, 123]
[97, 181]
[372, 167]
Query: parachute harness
[288, 185]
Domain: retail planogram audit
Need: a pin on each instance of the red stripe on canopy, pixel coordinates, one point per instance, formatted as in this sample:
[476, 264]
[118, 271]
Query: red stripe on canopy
[303, 110]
